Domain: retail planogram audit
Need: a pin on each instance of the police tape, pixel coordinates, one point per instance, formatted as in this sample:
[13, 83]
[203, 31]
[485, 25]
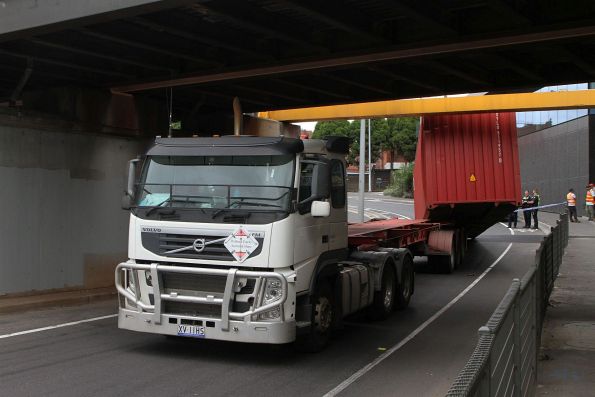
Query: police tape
[539, 207]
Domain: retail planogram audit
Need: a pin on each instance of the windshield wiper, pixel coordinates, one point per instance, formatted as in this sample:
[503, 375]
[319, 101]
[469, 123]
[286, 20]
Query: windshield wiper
[160, 205]
[239, 204]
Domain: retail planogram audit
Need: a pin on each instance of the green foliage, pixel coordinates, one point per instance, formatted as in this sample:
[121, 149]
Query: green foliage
[176, 125]
[325, 129]
[401, 184]
[387, 134]
[400, 135]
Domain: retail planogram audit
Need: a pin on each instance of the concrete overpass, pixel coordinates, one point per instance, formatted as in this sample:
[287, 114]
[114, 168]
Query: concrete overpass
[280, 54]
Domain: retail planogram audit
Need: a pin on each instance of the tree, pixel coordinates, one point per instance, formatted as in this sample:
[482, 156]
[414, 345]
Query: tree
[400, 136]
[345, 128]
[324, 129]
[351, 130]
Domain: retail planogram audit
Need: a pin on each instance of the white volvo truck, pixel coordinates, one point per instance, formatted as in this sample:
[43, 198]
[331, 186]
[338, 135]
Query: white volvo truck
[245, 239]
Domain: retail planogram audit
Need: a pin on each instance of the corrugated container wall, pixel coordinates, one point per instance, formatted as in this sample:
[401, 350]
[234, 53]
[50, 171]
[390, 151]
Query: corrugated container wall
[467, 169]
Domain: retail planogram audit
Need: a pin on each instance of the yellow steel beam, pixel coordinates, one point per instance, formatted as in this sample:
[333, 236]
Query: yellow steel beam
[580, 99]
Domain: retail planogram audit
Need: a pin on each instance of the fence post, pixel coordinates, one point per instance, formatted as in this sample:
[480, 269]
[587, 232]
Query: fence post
[551, 263]
[517, 338]
[486, 390]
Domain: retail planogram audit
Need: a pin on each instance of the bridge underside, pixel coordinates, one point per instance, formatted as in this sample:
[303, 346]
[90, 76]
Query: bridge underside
[278, 54]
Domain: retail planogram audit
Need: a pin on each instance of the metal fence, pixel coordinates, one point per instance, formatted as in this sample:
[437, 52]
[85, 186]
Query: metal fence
[504, 362]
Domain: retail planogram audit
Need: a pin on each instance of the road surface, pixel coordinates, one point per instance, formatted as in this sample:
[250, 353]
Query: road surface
[418, 351]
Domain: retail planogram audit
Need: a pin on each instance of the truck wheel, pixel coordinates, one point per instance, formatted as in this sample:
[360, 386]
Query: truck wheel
[444, 241]
[384, 299]
[405, 287]
[321, 321]
[442, 263]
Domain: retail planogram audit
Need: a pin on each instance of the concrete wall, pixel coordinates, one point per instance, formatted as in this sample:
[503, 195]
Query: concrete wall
[61, 224]
[556, 159]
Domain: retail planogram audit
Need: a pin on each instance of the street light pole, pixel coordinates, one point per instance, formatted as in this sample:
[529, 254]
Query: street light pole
[369, 155]
[362, 166]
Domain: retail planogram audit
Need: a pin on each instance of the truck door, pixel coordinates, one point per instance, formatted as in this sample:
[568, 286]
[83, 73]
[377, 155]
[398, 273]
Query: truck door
[312, 234]
[338, 218]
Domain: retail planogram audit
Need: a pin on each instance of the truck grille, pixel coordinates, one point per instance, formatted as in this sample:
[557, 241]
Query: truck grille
[192, 309]
[174, 282]
[160, 243]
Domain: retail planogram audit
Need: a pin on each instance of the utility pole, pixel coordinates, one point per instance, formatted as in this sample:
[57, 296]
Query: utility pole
[369, 155]
[362, 166]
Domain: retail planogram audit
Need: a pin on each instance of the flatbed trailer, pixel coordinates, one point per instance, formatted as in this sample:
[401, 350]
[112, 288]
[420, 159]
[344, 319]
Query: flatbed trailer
[389, 233]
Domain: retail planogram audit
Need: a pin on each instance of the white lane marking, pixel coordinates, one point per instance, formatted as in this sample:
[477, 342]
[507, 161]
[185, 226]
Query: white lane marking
[346, 383]
[376, 214]
[32, 331]
[394, 213]
[384, 200]
[367, 213]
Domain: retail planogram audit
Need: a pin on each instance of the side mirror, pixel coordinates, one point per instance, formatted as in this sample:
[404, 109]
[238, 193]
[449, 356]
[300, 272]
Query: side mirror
[126, 202]
[129, 192]
[321, 209]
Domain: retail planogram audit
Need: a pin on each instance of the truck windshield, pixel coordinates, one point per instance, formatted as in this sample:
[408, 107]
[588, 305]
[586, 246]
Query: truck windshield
[262, 183]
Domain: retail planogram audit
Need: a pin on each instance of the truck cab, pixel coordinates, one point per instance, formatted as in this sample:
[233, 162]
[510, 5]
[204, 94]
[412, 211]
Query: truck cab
[245, 238]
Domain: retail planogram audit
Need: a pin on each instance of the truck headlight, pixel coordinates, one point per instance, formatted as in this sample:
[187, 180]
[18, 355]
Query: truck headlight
[272, 314]
[273, 291]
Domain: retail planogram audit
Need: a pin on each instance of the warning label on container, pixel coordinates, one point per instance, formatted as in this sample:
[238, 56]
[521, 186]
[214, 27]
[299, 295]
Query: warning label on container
[472, 178]
[241, 244]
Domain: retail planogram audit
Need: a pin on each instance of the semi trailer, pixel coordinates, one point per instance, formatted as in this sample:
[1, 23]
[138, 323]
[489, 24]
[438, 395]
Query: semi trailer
[246, 239]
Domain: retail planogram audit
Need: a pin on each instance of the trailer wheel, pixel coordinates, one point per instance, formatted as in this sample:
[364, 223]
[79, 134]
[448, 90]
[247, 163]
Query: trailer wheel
[384, 300]
[321, 322]
[405, 287]
[443, 263]
[444, 241]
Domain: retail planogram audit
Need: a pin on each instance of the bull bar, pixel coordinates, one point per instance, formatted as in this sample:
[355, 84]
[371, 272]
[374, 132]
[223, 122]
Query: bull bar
[231, 274]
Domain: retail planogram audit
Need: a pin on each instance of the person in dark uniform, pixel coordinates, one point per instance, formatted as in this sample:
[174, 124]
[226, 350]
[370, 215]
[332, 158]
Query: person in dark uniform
[525, 204]
[513, 218]
[535, 199]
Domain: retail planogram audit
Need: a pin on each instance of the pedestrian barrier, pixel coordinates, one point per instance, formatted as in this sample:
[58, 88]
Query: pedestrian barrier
[504, 362]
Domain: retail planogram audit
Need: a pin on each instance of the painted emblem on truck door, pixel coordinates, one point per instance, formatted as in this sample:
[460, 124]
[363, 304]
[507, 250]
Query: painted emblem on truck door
[241, 244]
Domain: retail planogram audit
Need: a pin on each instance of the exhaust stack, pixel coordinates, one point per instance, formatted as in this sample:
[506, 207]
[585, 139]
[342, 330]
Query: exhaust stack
[237, 117]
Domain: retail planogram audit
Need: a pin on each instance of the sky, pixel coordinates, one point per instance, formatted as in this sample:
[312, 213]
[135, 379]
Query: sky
[307, 125]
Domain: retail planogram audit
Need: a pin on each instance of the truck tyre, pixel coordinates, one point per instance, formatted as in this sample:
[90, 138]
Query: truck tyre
[321, 322]
[444, 264]
[405, 287]
[444, 241]
[384, 299]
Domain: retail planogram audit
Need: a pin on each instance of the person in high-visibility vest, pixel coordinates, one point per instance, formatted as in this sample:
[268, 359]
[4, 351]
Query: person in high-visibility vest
[571, 201]
[590, 202]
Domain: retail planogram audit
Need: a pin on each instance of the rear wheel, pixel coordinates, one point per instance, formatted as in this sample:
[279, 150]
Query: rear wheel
[444, 241]
[384, 299]
[443, 263]
[321, 322]
[405, 287]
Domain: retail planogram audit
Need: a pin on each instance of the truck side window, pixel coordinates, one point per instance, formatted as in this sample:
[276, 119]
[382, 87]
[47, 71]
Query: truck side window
[305, 186]
[337, 184]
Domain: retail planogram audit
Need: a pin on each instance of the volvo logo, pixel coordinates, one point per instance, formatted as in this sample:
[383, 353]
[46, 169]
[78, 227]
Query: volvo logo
[199, 245]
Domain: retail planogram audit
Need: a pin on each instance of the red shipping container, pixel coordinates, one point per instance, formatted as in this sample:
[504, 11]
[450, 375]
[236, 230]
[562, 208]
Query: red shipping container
[467, 170]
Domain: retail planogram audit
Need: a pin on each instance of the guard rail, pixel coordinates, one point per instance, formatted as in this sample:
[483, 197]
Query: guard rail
[504, 362]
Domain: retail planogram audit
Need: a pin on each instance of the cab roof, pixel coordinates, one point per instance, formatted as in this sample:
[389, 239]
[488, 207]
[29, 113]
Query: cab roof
[229, 145]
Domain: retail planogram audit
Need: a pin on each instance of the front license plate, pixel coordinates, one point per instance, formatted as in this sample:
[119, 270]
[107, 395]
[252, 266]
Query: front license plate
[193, 331]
